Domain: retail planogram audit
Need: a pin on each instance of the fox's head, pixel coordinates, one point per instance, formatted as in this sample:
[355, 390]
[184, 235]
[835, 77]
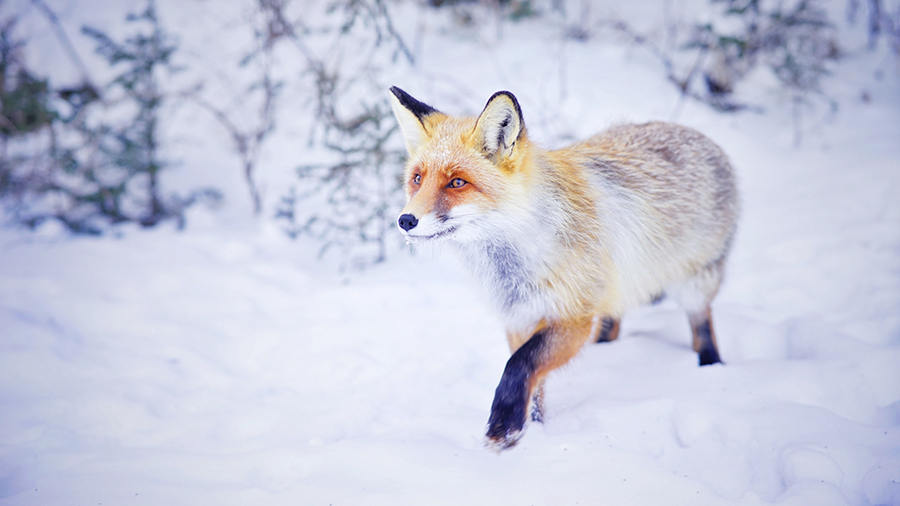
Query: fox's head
[460, 170]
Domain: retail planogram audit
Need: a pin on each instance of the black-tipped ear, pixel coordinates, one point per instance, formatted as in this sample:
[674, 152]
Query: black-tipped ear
[410, 113]
[419, 109]
[500, 126]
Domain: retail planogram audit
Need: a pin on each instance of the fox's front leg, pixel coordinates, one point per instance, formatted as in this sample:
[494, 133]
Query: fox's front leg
[547, 349]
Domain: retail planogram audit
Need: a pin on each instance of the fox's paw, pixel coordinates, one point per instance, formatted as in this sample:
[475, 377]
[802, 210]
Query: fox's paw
[503, 442]
[506, 425]
[709, 356]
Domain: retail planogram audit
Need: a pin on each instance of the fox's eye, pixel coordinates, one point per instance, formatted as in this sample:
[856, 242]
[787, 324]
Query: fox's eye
[417, 179]
[456, 183]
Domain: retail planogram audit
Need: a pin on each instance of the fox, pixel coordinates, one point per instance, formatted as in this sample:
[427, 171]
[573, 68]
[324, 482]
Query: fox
[565, 241]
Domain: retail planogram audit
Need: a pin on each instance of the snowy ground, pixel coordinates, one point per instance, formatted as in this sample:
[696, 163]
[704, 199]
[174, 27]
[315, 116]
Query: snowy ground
[221, 365]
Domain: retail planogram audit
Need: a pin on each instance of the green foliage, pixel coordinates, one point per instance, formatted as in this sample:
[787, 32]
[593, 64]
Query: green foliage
[131, 148]
[795, 40]
[25, 107]
[98, 161]
[24, 98]
[25, 110]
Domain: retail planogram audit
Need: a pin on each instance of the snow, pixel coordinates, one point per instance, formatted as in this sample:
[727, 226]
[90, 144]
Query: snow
[224, 365]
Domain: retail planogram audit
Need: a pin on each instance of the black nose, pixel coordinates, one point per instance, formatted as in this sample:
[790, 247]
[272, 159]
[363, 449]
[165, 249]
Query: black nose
[407, 222]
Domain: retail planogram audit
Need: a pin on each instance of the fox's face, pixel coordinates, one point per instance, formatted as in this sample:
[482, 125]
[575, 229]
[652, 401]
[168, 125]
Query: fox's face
[449, 185]
[459, 169]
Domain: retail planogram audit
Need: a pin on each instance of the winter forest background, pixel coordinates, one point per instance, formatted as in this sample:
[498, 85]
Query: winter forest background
[204, 300]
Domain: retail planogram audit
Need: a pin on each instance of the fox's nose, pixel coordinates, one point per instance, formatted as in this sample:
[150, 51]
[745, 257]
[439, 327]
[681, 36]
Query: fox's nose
[407, 222]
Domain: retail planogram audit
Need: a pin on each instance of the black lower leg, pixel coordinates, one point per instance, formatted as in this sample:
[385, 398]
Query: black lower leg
[704, 343]
[609, 330]
[508, 410]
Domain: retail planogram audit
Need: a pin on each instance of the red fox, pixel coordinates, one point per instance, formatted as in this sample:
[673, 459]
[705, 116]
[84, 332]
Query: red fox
[566, 241]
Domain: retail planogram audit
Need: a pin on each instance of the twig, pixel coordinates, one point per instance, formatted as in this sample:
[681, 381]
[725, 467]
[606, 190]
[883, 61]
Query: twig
[64, 40]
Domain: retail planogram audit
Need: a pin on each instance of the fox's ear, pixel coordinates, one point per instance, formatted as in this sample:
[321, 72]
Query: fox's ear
[410, 113]
[499, 126]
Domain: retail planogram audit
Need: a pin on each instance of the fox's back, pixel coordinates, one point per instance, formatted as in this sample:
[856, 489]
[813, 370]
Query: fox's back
[667, 198]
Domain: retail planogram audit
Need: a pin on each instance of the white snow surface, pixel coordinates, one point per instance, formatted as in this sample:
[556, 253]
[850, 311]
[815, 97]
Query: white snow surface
[224, 365]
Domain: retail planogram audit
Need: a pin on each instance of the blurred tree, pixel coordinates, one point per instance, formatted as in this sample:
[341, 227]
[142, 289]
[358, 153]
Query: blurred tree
[25, 99]
[83, 157]
[346, 204]
[794, 40]
[131, 161]
[248, 135]
[880, 23]
[24, 109]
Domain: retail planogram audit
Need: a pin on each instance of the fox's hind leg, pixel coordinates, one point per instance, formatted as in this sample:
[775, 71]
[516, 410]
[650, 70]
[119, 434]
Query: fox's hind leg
[704, 338]
[609, 330]
[695, 296]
